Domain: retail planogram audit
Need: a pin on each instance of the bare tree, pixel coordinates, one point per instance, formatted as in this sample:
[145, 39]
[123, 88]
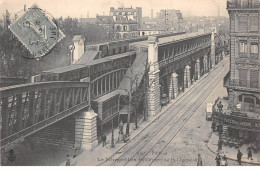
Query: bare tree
[137, 92]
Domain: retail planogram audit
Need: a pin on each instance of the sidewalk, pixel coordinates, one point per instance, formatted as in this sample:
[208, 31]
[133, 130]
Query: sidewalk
[231, 153]
[100, 153]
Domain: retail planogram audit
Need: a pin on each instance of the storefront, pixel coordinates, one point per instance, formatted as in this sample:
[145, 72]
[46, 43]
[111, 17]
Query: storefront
[240, 126]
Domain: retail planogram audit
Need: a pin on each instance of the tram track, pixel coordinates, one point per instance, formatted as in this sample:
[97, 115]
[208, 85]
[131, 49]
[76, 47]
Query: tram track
[179, 124]
[174, 120]
[155, 149]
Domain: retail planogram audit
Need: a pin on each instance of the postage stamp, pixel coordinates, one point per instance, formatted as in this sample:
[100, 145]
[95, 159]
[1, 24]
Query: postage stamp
[37, 32]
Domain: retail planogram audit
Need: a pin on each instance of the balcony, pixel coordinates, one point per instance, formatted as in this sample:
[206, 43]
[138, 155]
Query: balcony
[242, 118]
[246, 85]
[238, 4]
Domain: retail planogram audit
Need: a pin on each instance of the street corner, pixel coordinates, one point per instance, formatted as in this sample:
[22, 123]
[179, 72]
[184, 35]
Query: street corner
[231, 152]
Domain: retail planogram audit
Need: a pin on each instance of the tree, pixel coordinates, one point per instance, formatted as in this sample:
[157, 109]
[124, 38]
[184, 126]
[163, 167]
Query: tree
[137, 91]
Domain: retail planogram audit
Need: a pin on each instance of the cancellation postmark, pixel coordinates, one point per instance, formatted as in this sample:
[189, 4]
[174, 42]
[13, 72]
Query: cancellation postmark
[37, 32]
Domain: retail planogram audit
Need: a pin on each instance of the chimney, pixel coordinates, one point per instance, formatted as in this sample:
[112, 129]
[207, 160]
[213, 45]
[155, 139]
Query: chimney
[151, 13]
[78, 41]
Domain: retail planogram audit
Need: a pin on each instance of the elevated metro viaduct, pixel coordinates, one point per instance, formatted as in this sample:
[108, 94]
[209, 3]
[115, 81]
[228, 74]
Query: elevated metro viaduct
[97, 80]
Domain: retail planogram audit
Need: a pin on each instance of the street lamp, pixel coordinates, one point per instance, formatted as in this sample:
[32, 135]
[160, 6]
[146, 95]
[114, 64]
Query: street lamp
[71, 48]
[112, 139]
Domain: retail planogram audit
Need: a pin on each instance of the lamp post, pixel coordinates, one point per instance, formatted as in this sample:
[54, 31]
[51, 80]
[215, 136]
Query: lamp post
[129, 113]
[112, 139]
[71, 47]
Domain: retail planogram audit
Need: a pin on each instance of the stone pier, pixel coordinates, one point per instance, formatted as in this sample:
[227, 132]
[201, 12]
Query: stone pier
[198, 68]
[86, 130]
[213, 55]
[154, 105]
[170, 86]
[187, 80]
[175, 84]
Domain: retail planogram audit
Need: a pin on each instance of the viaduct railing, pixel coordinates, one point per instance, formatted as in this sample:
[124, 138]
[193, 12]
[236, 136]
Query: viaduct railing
[27, 108]
[170, 60]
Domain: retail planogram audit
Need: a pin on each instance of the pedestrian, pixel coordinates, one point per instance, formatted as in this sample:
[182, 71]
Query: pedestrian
[104, 139]
[199, 162]
[250, 154]
[68, 161]
[239, 156]
[224, 160]
[218, 159]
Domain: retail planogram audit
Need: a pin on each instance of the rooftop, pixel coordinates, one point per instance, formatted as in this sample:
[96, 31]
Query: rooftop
[87, 60]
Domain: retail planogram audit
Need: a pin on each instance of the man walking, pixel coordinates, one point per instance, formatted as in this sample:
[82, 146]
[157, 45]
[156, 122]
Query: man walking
[199, 162]
[104, 139]
[239, 156]
[218, 159]
[68, 161]
[250, 154]
[224, 160]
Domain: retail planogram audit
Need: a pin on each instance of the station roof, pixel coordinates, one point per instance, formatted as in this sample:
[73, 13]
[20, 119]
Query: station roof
[65, 68]
[90, 61]
[87, 57]
[136, 71]
[107, 96]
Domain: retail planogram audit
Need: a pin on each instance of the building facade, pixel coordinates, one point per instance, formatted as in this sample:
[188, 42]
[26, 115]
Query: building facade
[240, 116]
[130, 14]
[170, 20]
[118, 27]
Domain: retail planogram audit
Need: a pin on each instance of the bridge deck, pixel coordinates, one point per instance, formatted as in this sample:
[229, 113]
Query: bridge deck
[172, 39]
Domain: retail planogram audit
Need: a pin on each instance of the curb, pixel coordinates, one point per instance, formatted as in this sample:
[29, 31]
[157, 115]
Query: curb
[232, 159]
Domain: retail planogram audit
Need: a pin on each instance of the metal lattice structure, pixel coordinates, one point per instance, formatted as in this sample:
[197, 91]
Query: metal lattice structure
[28, 108]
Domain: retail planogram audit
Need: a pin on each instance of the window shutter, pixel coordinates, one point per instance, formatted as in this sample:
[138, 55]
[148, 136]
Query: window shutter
[254, 75]
[254, 22]
[243, 77]
[243, 24]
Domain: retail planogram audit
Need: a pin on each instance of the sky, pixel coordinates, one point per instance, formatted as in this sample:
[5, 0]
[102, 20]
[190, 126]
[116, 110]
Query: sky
[80, 8]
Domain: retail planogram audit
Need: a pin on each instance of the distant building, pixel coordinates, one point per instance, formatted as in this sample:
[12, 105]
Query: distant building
[170, 20]
[150, 31]
[118, 27]
[130, 14]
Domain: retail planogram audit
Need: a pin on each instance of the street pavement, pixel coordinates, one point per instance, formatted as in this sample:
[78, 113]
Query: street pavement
[180, 133]
[173, 138]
